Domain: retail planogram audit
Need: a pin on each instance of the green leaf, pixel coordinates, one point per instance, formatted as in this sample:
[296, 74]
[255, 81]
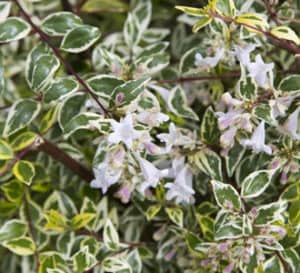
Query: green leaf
[13, 29]
[110, 236]
[228, 226]
[80, 38]
[59, 23]
[187, 61]
[191, 11]
[233, 158]
[70, 108]
[13, 190]
[201, 23]
[114, 264]
[291, 256]
[209, 130]
[177, 103]
[12, 229]
[284, 32]
[55, 221]
[256, 183]
[23, 140]
[24, 171]
[81, 220]
[273, 265]
[210, 163]
[43, 71]
[175, 215]
[152, 211]
[269, 213]
[207, 226]
[103, 85]
[83, 260]
[134, 261]
[6, 151]
[93, 6]
[59, 89]
[5, 7]
[252, 19]
[290, 84]
[22, 246]
[264, 111]
[20, 115]
[226, 196]
[125, 93]
[52, 260]
[48, 119]
[246, 87]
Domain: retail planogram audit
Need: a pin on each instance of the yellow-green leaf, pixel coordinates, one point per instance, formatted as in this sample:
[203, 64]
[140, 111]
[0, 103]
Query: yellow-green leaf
[48, 120]
[55, 221]
[22, 246]
[252, 20]
[81, 220]
[202, 22]
[152, 211]
[190, 10]
[23, 140]
[284, 32]
[6, 151]
[24, 171]
[104, 6]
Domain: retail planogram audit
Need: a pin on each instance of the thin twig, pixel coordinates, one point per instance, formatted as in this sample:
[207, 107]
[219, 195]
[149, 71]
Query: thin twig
[57, 53]
[284, 263]
[234, 74]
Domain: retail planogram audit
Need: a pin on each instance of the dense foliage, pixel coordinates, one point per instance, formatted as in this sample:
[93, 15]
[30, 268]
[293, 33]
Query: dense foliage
[149, 136]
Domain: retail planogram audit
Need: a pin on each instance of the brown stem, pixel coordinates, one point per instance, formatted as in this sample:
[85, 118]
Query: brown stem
[66, 5]
[57, 53]
[284, 263]
[59, 155]
[284, 44]
[17, 158]
[272, 14]
[234, 74]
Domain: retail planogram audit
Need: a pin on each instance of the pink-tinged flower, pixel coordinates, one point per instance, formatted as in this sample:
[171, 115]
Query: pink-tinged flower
[170, 255]
[205, 262]
[290, 127]
[223, 246]
[228, 268]
[259, 71]
[151, 174]
[228, 119]
[174, 138]
[124, 131]
[152, 119]
[243, 53]
[105, 176]
[280, 105]
[227, 138]
[229, 101]
[283, 177]
[124, 193]
[257, 141]
[209, 62]
[181, 189]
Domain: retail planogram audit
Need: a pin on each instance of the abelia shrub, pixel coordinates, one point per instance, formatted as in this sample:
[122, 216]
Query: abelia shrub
[140, 136]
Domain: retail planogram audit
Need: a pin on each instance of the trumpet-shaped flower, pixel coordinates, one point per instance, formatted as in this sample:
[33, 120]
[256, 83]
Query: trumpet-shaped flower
[243, 53]
[181, 189]
[259, 71]
[257, 141]
[209, 62]
[124, 131]
[290, 126]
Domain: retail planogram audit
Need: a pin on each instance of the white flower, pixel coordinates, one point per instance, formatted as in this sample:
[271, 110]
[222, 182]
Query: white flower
[181, 190]
[259, 71]
[257, 141]
[174, 138]
[227, 119]
[290, 126]
[209, 62]
[150, 173]
[227, 138]
[124, 131]
[105, 176]
[152, 119]
[243, 53]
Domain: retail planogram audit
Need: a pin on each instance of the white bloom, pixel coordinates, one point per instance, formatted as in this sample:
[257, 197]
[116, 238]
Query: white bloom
[209, 62]
[105, 176]
[150, 173]
[174, 138]
[124, 131]
[181, 189]
[229, 101]
[257, 141]
[290, 126]
[227, 119]
[259, 71]
[152, 119]
[227, 138]
[243, 53]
